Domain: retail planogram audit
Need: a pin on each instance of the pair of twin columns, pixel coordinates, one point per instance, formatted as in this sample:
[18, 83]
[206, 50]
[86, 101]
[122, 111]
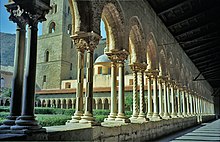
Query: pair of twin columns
[21, 117]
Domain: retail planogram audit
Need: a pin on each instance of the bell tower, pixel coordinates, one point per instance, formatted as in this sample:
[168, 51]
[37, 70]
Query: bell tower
[56, 54]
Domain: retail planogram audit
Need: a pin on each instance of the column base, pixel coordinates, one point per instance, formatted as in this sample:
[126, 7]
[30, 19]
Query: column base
[173, 115]
[149, 115]
[76, 118]
[155, 117]
[10, 121]
[122, 118]
[133, 117]
[25, 124]
[166, 116]
[87, 118]
[111, 117]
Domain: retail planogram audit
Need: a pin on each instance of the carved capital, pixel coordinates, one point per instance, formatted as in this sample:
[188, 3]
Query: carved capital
[117, 56]
[22, 17]
[138, 67]
[17, 15]
[152, 73]
[86, 41]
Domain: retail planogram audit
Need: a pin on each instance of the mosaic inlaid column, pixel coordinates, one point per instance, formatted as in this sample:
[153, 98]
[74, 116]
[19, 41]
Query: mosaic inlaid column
[141, 116]
[92, 41]
[81, 44]
[134, 68]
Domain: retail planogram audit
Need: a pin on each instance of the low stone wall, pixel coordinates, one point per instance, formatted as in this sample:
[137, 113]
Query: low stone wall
[128, 132]
[206, 118]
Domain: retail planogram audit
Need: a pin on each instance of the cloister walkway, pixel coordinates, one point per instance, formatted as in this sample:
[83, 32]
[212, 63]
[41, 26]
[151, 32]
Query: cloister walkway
[205, 132]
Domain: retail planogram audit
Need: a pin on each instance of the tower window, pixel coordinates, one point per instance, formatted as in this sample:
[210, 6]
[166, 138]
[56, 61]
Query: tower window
[69, 31]
[47, 56]
[44, 78]
[68, 10]
[71, 44]
[71, 66]
[55, 8]
[52, 27]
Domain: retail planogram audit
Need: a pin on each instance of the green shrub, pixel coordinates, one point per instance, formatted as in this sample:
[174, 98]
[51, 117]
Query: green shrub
[128, 113]
[4, 109]
[52, 120]
[39, 110]
[101, 112]
[100, 118]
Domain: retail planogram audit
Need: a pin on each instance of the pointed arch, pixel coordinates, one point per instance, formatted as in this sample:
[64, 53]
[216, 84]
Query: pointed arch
[152, 52]
[136, 40]
[113, 19]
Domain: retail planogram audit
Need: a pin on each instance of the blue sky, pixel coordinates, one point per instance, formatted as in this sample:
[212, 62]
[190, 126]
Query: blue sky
[7, 26]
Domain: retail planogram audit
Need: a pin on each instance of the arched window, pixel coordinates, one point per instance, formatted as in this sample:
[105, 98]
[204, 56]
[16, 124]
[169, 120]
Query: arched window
[52, 27]
[2, 85]
[55, 8]
[44, 78]
[47, 56]
[69, 30]
[71, 66]
[68, 10]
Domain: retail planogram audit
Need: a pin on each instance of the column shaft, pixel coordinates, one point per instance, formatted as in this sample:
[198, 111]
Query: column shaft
[155, 98]
[142, 98]
[27, 118]
[160, 98]
[135, 96]
[17, 82]
[88, 114]
[166, 114]
[121, 102]
[149, 94]
[173, 113]
[113, 112]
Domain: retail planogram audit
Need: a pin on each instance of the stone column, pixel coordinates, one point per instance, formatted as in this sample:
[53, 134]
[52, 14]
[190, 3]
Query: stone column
[166, 114]
[184, 103]
[122, 55]
[187, 103]
[92, 42]
[191, 103]
[27, 120]
[194, 104]
[113, 109]
[155, 116]
[134, 68]
[149, 95]
[160, 81]
[141, 117]
[179, 114]
[81, 45]
[173, 113]
[168, 97]
[17, 81]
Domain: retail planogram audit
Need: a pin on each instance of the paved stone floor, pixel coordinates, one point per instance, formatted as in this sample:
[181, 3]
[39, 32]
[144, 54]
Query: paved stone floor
[205, 132]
